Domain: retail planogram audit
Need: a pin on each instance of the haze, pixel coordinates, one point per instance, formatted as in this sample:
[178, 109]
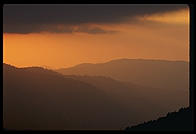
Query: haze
[159, 34]
[93, 67]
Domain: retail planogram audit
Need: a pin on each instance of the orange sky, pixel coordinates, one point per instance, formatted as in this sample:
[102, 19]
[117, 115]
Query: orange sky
[164, 36]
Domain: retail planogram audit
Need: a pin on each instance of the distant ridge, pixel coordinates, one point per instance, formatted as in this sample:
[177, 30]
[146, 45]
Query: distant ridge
[124, 59]
[171, 75]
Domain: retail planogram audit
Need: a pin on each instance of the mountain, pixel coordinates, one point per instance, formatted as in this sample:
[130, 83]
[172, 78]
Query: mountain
[169, 75]
[175, 121]
[38, 99]
[154, 102]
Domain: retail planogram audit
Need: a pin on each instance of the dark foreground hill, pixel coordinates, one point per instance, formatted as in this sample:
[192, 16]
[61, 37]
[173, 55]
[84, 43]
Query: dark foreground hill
[38, 99]
[175, 121]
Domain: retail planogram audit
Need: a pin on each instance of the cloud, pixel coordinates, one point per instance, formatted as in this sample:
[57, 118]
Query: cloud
[93, 30]
[73, 29]
[25, 29]
[36, 18]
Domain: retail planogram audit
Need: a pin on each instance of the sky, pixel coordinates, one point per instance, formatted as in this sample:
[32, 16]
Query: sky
[58, 36]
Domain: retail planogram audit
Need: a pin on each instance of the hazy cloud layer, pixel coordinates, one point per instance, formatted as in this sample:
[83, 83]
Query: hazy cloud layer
[71, 29]
[37, 18]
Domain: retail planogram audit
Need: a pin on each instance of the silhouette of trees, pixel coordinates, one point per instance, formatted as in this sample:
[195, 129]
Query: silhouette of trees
[174, 121]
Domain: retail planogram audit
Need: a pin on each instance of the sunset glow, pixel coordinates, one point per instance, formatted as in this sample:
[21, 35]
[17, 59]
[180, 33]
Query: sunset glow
[96, 67]
[159, 36]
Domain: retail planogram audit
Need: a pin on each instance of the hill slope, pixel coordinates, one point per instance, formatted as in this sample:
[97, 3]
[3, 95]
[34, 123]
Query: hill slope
[175, 121]
[39, 99]
[36, 98]
[140, 98]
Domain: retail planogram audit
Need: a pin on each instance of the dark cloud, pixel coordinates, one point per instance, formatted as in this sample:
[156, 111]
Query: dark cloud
[34, 18]
[25, 29]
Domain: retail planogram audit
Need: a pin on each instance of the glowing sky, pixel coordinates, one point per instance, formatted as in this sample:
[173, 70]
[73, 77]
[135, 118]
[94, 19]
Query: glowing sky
[156, 35]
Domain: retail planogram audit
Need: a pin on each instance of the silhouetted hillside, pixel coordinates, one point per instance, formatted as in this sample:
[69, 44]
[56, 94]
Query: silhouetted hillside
[175, 121]
[169, 75]
[152, 101]
[36, 98]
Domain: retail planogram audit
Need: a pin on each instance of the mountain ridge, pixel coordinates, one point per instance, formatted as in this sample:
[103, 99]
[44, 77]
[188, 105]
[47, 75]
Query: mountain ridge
[123, 59]
[151, 73]
[57, 102]
[116, 102]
